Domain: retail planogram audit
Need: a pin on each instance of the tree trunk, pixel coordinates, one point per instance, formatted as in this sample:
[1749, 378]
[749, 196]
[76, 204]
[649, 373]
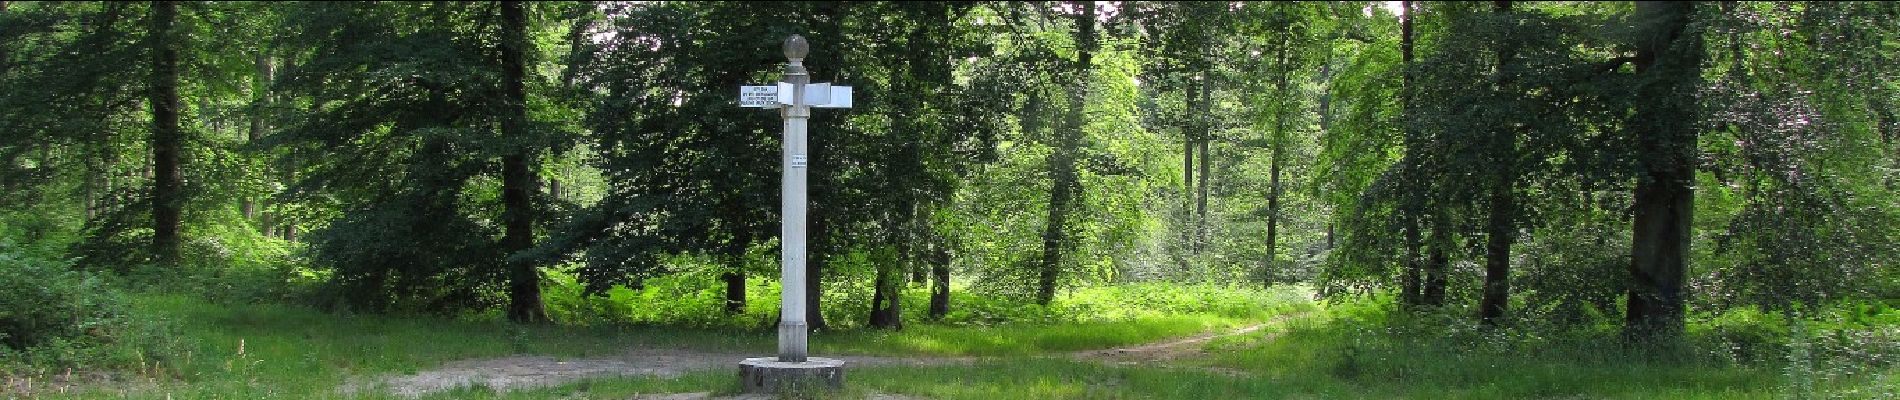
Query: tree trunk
[1500, 230]
[919, 272]
[1206, 135]
[1063, 162]
[1188, 142]
[266, 71]
[1665, 195]
[887, 293]
[1500, 234]
[1415, 277]
[89, 188]
[1273, 168]
[524, 286]
[167, 198]
[1437, 262]
[814, 284]
[1055, 235]
[735, 289]
[1411, 291]
[940, 282]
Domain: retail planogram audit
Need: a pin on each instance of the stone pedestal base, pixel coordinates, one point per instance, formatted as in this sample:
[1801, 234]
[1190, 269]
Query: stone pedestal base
[769, 375]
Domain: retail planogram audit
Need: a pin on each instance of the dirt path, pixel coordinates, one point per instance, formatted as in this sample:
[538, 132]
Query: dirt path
[1160, 353]
[519, 372]
[1163, 351]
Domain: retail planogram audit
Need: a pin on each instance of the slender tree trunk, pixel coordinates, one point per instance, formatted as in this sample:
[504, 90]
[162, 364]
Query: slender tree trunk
[1329, 236]
[940, 281]
[819, 238]
[524, 286]
[1500, 230]
[1273, 168]
[1412, 288]
[266, 71]
[1665, 195]
[1189, 131]
[167, 198]
[1206, 127]
[1889, 130]
[1415, 277]
[1055, 236]
[1326, 118]
[89, 188]
[1437, 262]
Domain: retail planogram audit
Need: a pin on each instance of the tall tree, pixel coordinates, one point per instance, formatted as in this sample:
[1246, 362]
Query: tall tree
[1668, 61]
[1500, 227]
[1066, 185]
[260, 109]
[1412, 292]
[1204, 135]
[166, 139]
[524, 278]
[425, 126]
[1278, 143]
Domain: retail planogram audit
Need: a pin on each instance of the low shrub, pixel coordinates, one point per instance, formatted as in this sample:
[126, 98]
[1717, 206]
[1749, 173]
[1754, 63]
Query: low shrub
[53, 318]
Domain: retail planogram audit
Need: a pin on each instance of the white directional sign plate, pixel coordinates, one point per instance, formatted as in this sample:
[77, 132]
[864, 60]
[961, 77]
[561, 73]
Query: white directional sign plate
[838, 97]
[758, 96]
[820, 95]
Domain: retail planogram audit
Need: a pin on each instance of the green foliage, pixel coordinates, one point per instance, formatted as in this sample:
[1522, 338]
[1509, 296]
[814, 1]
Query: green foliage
[1127, 302]
[368, 172]
[417, 88]
[692, 298]
[53, 317]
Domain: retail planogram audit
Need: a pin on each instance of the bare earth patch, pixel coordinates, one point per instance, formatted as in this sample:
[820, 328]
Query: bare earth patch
[93, 381]
[710, 396]
[520, 372]
[1160, 353]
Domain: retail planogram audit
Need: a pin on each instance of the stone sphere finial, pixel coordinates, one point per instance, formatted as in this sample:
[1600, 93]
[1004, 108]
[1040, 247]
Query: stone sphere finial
[796, 48]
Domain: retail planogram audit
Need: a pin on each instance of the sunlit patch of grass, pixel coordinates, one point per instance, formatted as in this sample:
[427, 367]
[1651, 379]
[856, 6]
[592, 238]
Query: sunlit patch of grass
[266, 351]
[1379, 360]
[1017, 339]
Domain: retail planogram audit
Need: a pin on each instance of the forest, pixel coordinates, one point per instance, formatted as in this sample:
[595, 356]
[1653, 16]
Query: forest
[1027, 199]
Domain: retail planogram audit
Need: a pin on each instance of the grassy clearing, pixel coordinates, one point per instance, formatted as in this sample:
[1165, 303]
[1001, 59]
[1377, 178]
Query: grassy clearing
[1342, 351]
[254, 351]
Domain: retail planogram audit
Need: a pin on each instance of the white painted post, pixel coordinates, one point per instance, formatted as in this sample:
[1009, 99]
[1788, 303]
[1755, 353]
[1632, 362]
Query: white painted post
[794, 97]
[791, 325]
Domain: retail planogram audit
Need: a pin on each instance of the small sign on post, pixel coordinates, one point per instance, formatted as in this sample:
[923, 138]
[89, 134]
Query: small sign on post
[817, 95]
[758, 96]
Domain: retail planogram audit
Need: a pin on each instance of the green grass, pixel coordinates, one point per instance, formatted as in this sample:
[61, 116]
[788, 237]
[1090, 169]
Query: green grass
[1345, 362]
[267, 350]
[294, 352]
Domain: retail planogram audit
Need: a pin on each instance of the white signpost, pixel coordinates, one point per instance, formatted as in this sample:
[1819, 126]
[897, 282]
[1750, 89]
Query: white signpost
[794, 98]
